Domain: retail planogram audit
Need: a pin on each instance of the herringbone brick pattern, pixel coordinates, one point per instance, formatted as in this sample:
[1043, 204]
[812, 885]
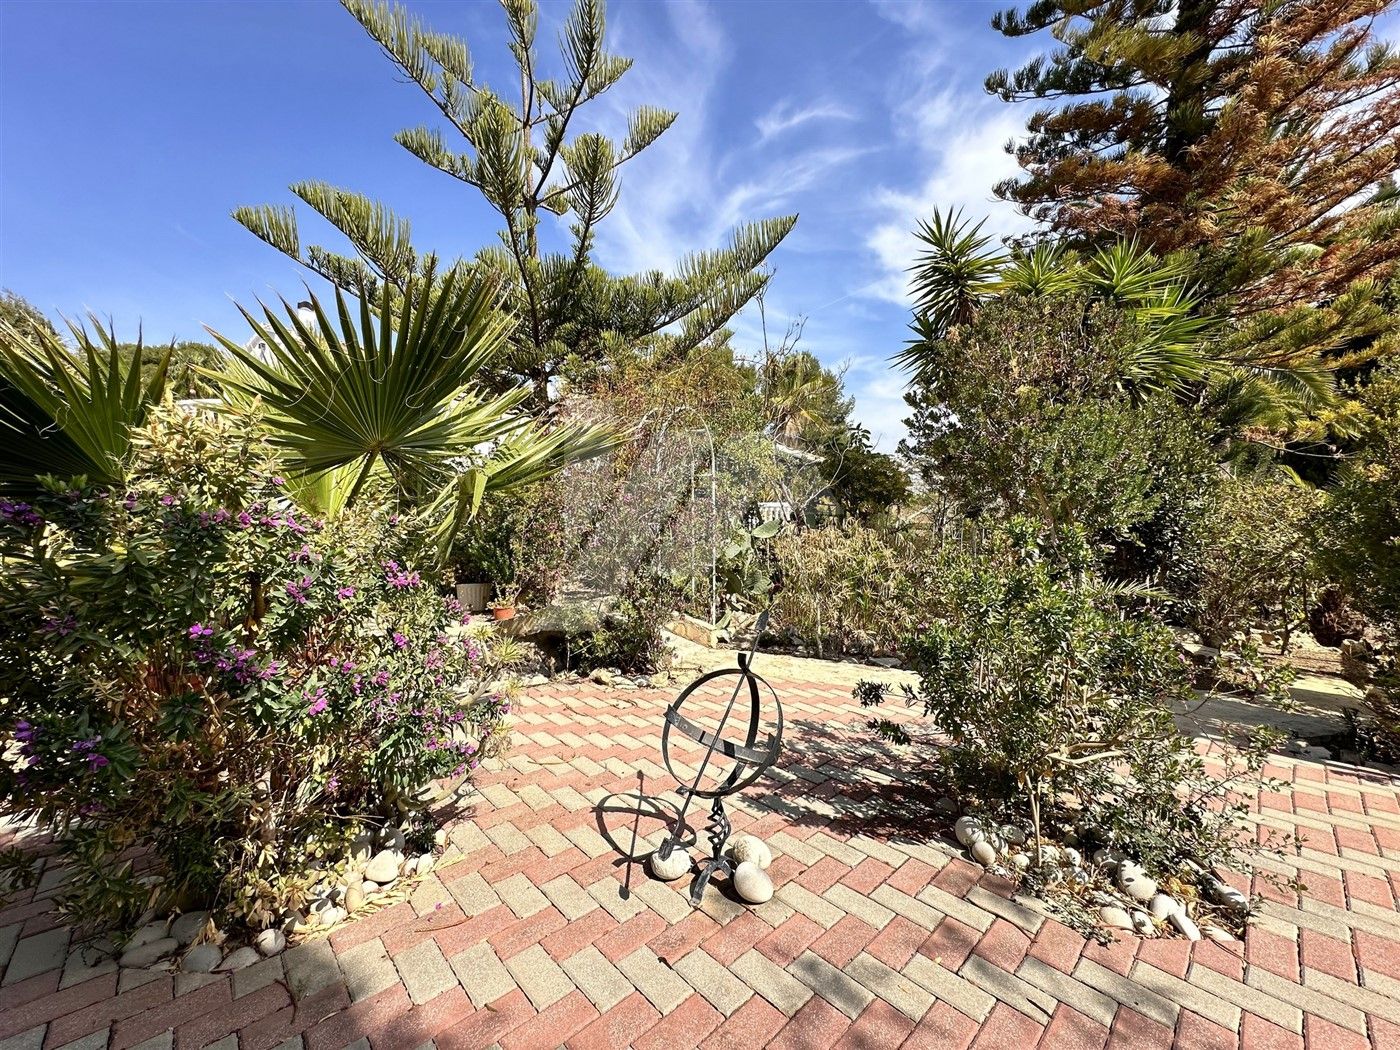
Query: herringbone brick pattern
[534, 932]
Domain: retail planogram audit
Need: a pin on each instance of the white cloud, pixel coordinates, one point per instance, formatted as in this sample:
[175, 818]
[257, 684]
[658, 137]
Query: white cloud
[675, 198]
[956, 133]
[786, 115]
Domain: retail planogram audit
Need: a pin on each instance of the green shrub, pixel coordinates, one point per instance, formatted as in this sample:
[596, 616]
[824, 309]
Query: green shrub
[1058, 702]
[208, 686]
[1247, 561]
[842, 588]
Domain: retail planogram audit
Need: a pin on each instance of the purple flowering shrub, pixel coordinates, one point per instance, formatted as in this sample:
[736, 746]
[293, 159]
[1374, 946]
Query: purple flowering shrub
[203, 683]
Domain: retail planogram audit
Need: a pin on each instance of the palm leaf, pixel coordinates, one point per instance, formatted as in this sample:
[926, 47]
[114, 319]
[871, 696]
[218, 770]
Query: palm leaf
[70, 413]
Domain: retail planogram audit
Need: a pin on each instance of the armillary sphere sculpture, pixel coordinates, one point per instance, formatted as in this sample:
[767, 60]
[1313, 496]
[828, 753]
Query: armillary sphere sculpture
[750, 758]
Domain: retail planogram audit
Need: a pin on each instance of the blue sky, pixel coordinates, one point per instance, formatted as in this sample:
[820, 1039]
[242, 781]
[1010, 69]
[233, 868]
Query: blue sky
[128, 131]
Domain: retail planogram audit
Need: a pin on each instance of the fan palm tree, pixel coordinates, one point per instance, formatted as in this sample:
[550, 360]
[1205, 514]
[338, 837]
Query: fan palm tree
[391, 390]
[67, 411]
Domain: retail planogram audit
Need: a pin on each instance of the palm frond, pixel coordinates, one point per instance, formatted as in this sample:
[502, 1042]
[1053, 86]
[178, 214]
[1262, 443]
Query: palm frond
[70, 412]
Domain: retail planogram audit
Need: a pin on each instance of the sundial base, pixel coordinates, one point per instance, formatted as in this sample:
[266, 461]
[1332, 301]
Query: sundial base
[719, 832]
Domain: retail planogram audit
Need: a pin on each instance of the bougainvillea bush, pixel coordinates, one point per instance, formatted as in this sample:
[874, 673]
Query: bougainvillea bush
[207, 690]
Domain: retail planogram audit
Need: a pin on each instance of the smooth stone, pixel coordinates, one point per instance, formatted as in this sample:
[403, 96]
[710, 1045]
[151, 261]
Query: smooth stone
[1014, 835]
[673, 867]
[150, 953]
[353, 878]
[752, 883]
[1106, 857]
[945, 806]
[983, 853]
[361, 849]
[384, 866]
[186, 928]
[202, 958]
[1135, 883]
[1227, 896]
[748, 848]
[1215, 933]
[149, 934]
[1049, 856]
[1072, 857]
[239, 959]
[1142, 922]
[355, 897]
[440, 838]
[270, 942]
[392, 839]
[426, 863]
[330, 916]
[1020, 861]
[1116, 917]
[1163, 907]
[968, 830]
[1183, 922]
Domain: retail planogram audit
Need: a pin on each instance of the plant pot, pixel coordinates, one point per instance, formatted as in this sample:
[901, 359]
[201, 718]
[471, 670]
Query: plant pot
[504, 612]
[474, 596]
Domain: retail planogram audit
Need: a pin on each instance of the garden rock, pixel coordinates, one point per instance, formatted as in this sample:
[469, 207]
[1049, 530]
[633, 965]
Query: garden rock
[1142, 923]
[355, 897]
[673, 867]
[331, 915]
[752, 883]
[1163, 907]
[1227, 896]
[886, 661]
[1184, 923]
[149, 934]
[1133, 881]
[384, 866]
[270, 942]
[240, 959]
[983, 853]
[202, 958]
[1014, 835]
[946, 806]
[1020, 861]
[393, 839]
[361, 850]
[750, 848]
[1116, 918]
[186, 928]
[150, 953]
[1215, 933]
[968, 830]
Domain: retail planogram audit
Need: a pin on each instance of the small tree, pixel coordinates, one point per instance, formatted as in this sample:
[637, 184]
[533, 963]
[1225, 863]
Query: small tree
[521, 160]
[1059, 703]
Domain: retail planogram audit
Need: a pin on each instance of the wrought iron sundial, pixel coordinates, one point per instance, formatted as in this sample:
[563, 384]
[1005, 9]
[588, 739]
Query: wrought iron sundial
[751, 758]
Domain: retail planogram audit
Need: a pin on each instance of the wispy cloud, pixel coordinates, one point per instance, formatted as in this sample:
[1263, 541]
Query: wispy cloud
[678, 196]
[957, 132]
[787, 115]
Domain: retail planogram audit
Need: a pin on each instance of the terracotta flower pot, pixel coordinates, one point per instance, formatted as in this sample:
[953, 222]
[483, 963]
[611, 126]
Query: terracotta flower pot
[505, 612]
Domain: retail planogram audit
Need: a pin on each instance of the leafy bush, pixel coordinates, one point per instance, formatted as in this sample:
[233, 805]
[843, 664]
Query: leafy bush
[1247, 561]
[841, 588]
[1029, 409]
[1059, 704]
[208, 686]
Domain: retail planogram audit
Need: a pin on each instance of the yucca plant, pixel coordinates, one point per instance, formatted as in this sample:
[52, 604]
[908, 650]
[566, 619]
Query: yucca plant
[69, 411]
[389, 390]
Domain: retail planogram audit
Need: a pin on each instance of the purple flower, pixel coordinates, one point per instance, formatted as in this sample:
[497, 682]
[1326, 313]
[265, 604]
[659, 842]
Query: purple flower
[168, 500]
[319, 703]
[345, 592]
[400, 642]
[298, 590]
[198, 630]
[244, 519]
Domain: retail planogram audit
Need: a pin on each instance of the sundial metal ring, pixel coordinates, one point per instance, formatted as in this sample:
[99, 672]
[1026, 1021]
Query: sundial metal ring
[733, 764]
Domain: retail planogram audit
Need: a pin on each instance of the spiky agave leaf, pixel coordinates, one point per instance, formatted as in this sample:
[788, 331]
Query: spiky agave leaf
[70, 413]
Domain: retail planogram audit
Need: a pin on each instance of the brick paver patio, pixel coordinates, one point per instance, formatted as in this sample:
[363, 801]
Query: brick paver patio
[533, 932]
